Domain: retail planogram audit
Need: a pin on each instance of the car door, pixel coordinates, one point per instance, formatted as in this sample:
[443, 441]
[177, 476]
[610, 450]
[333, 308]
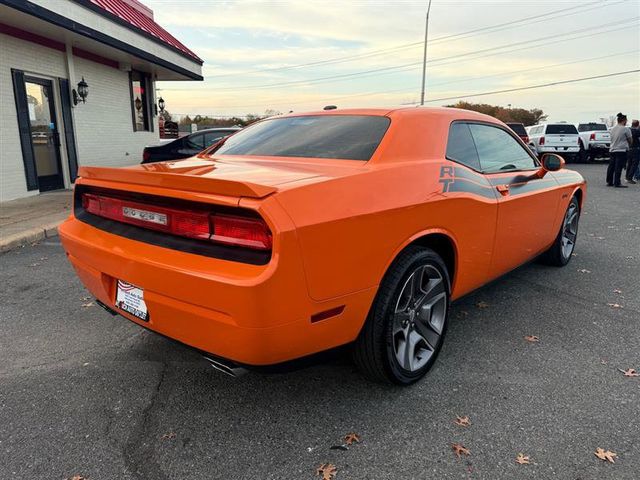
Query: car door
[527, 204]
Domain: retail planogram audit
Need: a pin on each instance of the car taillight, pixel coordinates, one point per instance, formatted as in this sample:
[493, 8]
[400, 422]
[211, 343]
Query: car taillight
[146, 155]
[592, 136]
[525, 139]
[226, 229]
[244, 232]
[541, 141]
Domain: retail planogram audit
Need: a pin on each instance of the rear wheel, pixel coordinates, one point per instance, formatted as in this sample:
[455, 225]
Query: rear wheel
[405, 328]
[583, 155]
[560, 252]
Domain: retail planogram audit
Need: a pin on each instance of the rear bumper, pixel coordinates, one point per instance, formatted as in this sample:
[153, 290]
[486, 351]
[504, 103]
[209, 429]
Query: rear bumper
[560, 150]
[251, 314]
[604, 146]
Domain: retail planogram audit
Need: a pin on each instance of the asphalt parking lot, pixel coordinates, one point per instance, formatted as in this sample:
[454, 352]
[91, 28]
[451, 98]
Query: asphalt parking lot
[84, 393]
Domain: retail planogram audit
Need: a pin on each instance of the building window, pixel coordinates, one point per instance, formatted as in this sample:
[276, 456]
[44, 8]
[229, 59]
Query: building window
[140, 101]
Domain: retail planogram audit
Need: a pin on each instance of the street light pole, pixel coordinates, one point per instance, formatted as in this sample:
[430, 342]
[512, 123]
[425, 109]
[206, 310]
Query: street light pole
[424, 56]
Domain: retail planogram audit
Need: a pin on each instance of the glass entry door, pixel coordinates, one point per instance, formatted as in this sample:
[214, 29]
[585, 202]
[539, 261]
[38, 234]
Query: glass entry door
[45, 137]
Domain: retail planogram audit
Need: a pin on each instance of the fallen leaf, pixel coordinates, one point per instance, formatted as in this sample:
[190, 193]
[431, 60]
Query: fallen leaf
[522, 459]
[532, 338]
[87, 305]
[630, 372]
[607, 456]
[618, 291]
[168, 436]
[327, 471]
[77, 477]
[482, 304]
[460, 449]
[463, 421]
[584, 270]
[350, 438]
[615, 305]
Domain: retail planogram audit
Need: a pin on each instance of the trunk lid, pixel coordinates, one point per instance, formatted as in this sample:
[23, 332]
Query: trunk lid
[237, 177]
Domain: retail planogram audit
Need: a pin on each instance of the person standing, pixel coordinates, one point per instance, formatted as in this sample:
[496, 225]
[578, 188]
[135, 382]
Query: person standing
[620, 143]
[634, 152]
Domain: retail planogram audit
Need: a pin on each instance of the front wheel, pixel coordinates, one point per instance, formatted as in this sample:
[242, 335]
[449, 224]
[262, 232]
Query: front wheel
[560, 252]
[405, 328]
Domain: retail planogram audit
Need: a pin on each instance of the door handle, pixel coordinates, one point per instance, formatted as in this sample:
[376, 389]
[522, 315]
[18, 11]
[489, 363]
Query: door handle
[503, 189]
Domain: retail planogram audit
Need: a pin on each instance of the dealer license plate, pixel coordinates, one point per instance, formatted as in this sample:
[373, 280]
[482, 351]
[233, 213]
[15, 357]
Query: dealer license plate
[131, 299]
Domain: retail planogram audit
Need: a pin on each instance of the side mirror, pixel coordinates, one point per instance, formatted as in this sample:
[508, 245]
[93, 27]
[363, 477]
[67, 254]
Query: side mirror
[551, 162]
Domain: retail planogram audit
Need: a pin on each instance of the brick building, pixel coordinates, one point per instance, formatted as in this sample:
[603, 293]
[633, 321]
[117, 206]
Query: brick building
[77, 87]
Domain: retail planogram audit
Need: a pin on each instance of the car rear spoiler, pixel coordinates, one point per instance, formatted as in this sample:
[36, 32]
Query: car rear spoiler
[178, 181]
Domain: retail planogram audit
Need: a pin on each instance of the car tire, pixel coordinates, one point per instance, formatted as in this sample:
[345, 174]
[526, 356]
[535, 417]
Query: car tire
[583, 155]
[559, 254]
[402, 336]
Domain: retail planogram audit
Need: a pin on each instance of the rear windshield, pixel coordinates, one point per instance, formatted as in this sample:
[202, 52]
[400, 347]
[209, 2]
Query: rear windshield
[518, 128]
[347, 137]
[590, 127]
[565, 128]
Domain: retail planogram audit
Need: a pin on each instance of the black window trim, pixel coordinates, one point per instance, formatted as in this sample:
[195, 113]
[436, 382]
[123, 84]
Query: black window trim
[145, 83]
[490, 124]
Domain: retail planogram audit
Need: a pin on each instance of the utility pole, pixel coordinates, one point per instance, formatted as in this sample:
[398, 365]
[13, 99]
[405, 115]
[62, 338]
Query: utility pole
[424, 57]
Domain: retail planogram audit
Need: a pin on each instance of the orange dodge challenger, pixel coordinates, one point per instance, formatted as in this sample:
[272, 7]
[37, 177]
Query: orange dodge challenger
[309, 231]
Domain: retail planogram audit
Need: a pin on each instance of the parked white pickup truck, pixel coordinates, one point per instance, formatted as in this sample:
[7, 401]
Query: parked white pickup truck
[561, 138]
[594, 140]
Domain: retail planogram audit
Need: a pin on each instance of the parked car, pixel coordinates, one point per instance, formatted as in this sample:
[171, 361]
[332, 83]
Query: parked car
[186, 146]
[310, 231]
[559, 138]
[594, 140]
[519, 130]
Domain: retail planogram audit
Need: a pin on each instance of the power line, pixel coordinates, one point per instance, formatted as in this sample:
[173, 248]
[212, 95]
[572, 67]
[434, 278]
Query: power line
[495, 92]
[406, 90]
[457, 56]
[465, 34]
[550, 84]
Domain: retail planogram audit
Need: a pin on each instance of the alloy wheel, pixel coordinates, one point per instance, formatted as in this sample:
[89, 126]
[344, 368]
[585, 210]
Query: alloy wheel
[570, 230]
[419, 317]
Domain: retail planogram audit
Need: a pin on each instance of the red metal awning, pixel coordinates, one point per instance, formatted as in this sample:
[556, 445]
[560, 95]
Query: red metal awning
[141, 18]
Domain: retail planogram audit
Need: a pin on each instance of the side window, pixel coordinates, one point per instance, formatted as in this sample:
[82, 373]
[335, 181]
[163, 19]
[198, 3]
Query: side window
[196, 142]
[460, 146]
[212, 137]
[498, 151]
[139, 88]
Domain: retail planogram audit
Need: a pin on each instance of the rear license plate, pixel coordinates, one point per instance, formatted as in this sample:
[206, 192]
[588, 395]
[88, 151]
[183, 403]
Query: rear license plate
[131, 299]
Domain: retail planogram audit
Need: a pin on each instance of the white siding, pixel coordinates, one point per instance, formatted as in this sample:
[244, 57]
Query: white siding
[104, 129]
[31, 58]
[103, 125]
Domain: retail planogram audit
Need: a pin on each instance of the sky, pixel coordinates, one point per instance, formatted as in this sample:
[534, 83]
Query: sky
[302, 55]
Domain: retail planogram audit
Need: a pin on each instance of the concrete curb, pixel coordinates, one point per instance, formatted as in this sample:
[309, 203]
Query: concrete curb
[36, 234]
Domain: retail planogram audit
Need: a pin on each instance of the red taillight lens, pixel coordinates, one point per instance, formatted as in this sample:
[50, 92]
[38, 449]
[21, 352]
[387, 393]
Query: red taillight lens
[541, 142]
[245, 232]
[146, 155]
[592, 136]
[525, 139]
[227, 229]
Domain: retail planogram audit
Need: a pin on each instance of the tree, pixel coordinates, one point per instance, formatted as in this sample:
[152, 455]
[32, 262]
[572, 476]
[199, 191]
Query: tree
[520, 115]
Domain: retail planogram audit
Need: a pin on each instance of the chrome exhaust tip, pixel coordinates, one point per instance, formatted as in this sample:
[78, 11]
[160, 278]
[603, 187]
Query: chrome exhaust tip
[226, 366]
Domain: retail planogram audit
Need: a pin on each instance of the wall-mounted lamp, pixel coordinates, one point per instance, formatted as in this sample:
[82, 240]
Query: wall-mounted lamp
[138, 103]
[82, 93]
[161, 104]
